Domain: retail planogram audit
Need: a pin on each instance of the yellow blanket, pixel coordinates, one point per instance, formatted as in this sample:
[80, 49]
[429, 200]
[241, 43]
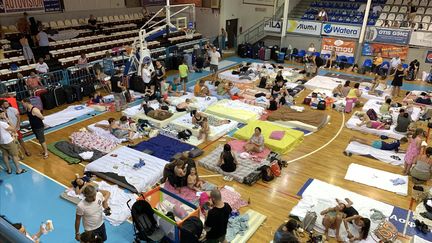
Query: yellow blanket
[290, 140]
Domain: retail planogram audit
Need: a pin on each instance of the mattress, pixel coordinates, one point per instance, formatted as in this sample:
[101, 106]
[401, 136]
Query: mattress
[244, 168]
[185, 122]
[386, 156]
[353, 121]
[135, 110]
[236, 78]
[101, 132]
[121, 161]
[68, 114]
[199, 103]
[322, 82]
[290, 140]
[376, 104]
[235, 110]
[382, 92]
[413, 95]
[308, 120]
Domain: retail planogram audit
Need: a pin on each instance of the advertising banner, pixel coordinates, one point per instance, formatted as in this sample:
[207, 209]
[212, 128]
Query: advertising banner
[11, 6]
[428, 57]
[386, 35]
[273, 26]
[342, 47]
[386, 50]
[304, 27]
[419, 38]
[346, 31]
[152, 2]
[52, 5]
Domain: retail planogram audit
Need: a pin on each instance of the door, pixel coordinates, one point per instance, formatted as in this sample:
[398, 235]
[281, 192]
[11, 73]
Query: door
[231, 28]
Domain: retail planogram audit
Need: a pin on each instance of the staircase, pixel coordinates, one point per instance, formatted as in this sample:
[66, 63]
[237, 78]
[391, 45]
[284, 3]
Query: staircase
[256, 32]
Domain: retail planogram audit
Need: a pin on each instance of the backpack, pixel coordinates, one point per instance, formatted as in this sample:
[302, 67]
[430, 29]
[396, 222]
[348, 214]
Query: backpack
[191, 230]
[372, 114]
[263, 82]
[386, 231]
[184, 135]
[267, 174]
[321, 105]
[410, 75]
[275, 168]
[309, 221]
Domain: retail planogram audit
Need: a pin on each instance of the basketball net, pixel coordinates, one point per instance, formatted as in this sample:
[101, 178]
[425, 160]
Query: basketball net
[189, 33]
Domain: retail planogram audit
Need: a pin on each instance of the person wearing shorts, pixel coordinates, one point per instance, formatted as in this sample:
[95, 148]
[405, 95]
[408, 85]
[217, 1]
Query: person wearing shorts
[215, 58]
[183, 73]
[12, 114]
[9, 147]
[36, 122]
[379, 144]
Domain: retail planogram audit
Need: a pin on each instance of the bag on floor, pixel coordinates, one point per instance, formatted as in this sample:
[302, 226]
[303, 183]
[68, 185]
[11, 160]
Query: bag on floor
[267, 174]
[309, 221]
[349, 105]
[410, 75]
[321, 105]
[252, 178]
[307, 101]
[262, 83]
[184, 135]
[372, 114]
[195, 152]
[275, 168]
[386, 231]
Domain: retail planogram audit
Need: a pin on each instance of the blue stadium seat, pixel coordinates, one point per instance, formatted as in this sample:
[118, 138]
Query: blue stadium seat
[317, 54]
[367, 63]
[350, 61]
[301, 53]
[405, 65]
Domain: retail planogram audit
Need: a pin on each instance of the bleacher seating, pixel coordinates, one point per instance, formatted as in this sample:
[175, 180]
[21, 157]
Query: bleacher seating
[348, 12]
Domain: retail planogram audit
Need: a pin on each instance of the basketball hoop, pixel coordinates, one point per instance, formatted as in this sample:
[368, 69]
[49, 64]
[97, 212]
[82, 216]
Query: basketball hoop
[189, 33]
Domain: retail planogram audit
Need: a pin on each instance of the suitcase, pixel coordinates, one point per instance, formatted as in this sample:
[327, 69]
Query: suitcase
[281, 57]
[87, 89]
[136, 84]
[76, 92]
[261, 53]
[69, 94]
[249, 50]
[36, 102]
[349, 105]
[48, 99]
[38, 92]
[60, 95]
[267, 55]
[274, 51]
[242, 50]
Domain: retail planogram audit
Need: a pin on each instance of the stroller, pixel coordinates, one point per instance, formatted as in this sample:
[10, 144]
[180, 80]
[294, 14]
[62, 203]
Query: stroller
[145, 226]
[191, 230]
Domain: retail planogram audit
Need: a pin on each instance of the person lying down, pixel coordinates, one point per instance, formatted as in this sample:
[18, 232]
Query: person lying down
[394, 145]
[116, 130]
[370, 123]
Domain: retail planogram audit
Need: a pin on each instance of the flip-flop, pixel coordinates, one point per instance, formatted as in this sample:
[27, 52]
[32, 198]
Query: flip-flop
[21, 172]
[45, 156]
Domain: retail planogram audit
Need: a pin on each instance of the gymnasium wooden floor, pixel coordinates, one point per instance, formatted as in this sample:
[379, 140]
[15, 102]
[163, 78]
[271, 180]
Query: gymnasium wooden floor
[319, 156]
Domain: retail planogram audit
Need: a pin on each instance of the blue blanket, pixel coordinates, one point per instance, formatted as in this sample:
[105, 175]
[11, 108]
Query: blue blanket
[163, 147]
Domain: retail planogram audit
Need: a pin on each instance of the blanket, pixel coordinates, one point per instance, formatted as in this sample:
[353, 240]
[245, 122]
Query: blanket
[70, 160]
[89, 140]
[386, 156]
[238, 147]
[245, 167]
[75, 151]
[316, 119]
[376, 104]
[163, 147]
[198, 103]
[70, 113]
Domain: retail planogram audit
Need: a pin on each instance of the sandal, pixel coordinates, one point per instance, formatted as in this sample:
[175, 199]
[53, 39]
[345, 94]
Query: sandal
[28, 154]
[9, 172]
[21, 172]
[45, 156]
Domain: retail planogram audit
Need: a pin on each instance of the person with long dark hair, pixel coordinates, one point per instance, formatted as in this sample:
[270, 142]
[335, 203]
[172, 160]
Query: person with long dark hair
[227, 160]
[414, 149]
[361, 224]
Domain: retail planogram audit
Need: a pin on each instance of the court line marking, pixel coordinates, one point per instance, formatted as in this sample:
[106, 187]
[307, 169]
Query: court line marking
[42, 174]
[323, 146]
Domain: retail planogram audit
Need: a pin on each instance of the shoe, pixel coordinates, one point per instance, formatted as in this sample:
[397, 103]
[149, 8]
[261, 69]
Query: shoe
[21, 172]
[107, 211]
[346, 153]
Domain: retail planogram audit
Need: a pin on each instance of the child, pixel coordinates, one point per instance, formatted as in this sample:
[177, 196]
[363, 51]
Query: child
[164, 89]
[385, 108]
[273, 104]
[409, 106]
[183, 106]
[371, 124]
[414, 149]
[175, 87]
[81, 182]
[205, 129]
[376, 82]
[383, 145]
[193, 181]
[96, 98]
[337, 92]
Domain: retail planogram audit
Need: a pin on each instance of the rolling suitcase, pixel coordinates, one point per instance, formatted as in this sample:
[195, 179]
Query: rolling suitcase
[76, 91]
[267, 55]
[48, 99]
[36, 102]
[60, 95]
[69, 94]
[87, 89]
[261, 53]
[249, 50]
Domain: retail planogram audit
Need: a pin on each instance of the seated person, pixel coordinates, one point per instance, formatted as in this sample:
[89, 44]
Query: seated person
[164, 89]
[127, 124]
[150, 93]
[403, 121]
[96, 98]
[175, 173]
[379, 79]
[422, 169]
[115, 129]
[33, 82]
[102, 77]
[193, 181]
[361, 224]
[383, 145]
[197, 117]
[286, 232]
[332, 219]
[385, 107]
[273, 104]
[183, 106]
[201, 90]
[176, 87]
[162, 113]
[276, 89]
[371, 124]
[81, 182]
[205, 129]
[337, 92]
[222, 90]
[255, 143]
[346, 88]
[227, 160]
[35, 237]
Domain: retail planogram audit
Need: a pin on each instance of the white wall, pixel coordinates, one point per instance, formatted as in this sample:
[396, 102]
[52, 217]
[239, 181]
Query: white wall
[247, 14]
[76, 5]
[207, 22]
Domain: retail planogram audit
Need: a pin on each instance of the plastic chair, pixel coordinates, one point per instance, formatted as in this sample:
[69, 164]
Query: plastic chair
[301, 54]
[394, 9]
[405, 65]
[317, 54]
[421, 10]
[350, 61]
[367, 63]
[426, 19]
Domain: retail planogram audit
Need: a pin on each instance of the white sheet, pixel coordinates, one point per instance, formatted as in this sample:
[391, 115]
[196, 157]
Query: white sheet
[238, 105]
[376, 178]
[103, 132]
[134, 95]
[117, 202]
[382, 155]
[236, 78]
[122, 165]
[319, 196]
[185, 122]
[354, 120]
[70, 113]
[322, 82]
[135, 110]
[364, 88]
[199, 103]
[375, 104]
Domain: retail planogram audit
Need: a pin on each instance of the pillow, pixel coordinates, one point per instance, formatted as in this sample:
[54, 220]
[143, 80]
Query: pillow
[277, 135]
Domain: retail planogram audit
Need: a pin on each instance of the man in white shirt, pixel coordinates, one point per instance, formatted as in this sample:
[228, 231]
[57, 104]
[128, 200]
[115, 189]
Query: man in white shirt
[90, 210]
[13, 115]
[8, 147]
[42, 38]
[394, 63]
[146, 75]
[215, 57]
[41, 66]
